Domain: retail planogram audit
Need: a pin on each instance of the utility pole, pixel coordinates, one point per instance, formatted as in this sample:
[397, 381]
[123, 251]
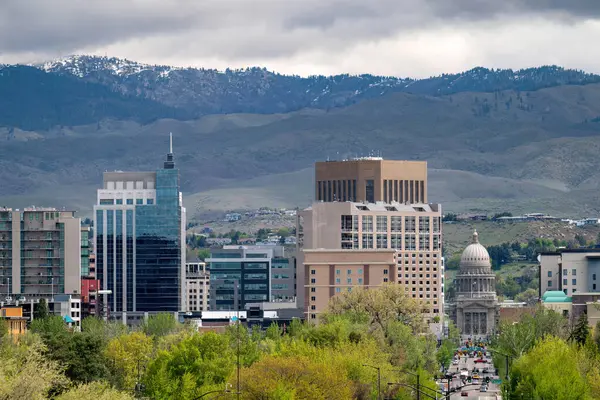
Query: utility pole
[378, 379]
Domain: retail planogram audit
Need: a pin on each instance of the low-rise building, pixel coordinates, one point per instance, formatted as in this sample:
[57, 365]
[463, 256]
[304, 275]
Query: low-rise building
[570, 270]
[15, 322]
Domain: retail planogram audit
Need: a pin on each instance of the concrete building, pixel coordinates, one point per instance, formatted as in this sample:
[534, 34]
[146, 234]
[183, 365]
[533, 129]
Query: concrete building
[139, 228]
[197, 287]
[476, 312]
[330, 272]
[414, 231]
[16, 323]
[69, 308]
[40, 253]
[571, 271]
[371, 179]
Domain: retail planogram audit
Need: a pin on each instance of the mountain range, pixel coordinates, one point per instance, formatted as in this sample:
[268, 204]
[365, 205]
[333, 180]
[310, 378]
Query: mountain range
[522, 140]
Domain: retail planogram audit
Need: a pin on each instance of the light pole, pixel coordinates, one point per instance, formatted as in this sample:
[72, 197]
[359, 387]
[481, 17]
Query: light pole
[418, 380]
[378, 379]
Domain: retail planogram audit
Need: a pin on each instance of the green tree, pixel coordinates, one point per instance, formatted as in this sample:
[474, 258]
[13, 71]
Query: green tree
[127, 353]
[548, 371]
[581, 330]
[530, 297]
[40, 310]
[160, 324]
[203, 254]
[96, 391]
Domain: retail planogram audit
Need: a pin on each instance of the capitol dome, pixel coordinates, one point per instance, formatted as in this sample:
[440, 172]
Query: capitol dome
[475, 255]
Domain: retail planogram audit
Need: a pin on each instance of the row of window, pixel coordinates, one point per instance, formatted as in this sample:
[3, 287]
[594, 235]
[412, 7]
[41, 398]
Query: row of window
[106, 202]
[350, 223]
[389, 241]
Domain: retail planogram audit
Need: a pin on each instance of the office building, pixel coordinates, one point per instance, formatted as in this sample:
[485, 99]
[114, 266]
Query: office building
[570, 270]
[371, 179]
[197, 287]
[330, 272]
[241, 270]
[476, 312]
[40, 253]
[413, 231]
[86, 252]
[139, 227]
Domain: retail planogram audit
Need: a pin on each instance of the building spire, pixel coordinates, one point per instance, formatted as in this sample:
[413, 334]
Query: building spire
[475, 236]
[170, 163]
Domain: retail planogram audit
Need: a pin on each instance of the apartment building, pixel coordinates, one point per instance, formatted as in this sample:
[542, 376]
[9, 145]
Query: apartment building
[371, 179]
[197, 287]
[413, 231]
[330, 272]
[571, 271]
[40, 253]
[139, 228]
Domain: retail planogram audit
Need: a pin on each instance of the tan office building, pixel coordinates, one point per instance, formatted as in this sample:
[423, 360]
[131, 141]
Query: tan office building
[330, 272]
[371, 179]
[40, 253]
[413, 231]
[197, 287]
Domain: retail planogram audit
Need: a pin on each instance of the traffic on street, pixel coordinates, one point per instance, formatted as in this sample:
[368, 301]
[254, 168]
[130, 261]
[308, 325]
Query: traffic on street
[471, 374]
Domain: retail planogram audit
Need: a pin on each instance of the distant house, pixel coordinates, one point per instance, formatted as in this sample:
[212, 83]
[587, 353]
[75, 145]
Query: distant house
[247, 241]
[218, 241]
[232, 217]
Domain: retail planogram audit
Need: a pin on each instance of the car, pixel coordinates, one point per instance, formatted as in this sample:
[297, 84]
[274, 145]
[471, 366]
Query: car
[455, 362]
[483, 388]
[480, 360]
[464, 394]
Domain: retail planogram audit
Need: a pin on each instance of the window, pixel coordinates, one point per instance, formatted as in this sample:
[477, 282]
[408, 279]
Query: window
[382, 241]
[349, 281]
[149, 201]
[549, 274]
[139, 201]
[313, 272]
[349, 272]
[338, 290]
[382, 222]
[396, 224]
[105, 202]
[549, 283]
[338, 280]
[360, 271]
[119, 201]
[594, 286]
[573, 271]
[313, 290]
[313, 280]
[385, 271]
[565, 281]
[337, 272]
[367, 223]
[370, 191]
[367, 241]
[564, 272]
[385, 280]
[313, 298]
[360, 281]
[593, 277]
[130, 201]
[574, 281]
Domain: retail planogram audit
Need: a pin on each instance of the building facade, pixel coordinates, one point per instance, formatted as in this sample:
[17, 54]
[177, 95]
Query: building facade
[414, 231]
[371, 179]
[139, 229]
[476, 312]
[331, 272]
[197, 285]
[40, 253]
[571, 271]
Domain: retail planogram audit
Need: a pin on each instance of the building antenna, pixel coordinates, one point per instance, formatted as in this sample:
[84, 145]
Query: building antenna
[170, 142]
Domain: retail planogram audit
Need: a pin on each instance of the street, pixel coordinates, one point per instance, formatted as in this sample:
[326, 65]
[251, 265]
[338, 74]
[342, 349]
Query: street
[473, 390]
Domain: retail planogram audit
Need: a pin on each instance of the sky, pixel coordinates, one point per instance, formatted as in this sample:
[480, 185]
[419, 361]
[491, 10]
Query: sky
[406, 38]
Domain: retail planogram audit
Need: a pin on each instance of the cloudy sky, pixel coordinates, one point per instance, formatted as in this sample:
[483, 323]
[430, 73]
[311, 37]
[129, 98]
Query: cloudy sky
[394, 37]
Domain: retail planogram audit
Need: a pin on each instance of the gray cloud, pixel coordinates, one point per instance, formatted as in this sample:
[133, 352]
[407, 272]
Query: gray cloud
[253, 30]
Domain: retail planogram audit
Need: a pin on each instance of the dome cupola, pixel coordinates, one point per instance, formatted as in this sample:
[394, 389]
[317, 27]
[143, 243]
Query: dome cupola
[475, 255]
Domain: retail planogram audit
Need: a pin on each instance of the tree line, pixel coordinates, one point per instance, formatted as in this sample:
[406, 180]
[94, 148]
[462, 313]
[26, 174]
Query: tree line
[164, 359]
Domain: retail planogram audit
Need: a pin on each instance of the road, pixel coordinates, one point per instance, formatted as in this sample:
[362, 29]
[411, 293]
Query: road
[493, 392]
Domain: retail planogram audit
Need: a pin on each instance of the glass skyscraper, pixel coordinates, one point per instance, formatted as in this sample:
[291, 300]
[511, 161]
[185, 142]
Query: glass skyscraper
[139, 224]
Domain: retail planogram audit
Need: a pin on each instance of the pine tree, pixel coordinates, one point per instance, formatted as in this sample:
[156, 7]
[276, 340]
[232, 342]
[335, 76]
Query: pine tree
[41, 310]
[581, 331]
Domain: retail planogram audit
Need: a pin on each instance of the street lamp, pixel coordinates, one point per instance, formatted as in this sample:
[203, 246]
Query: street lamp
[418, 380]
[378, 379]
[419, 392]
